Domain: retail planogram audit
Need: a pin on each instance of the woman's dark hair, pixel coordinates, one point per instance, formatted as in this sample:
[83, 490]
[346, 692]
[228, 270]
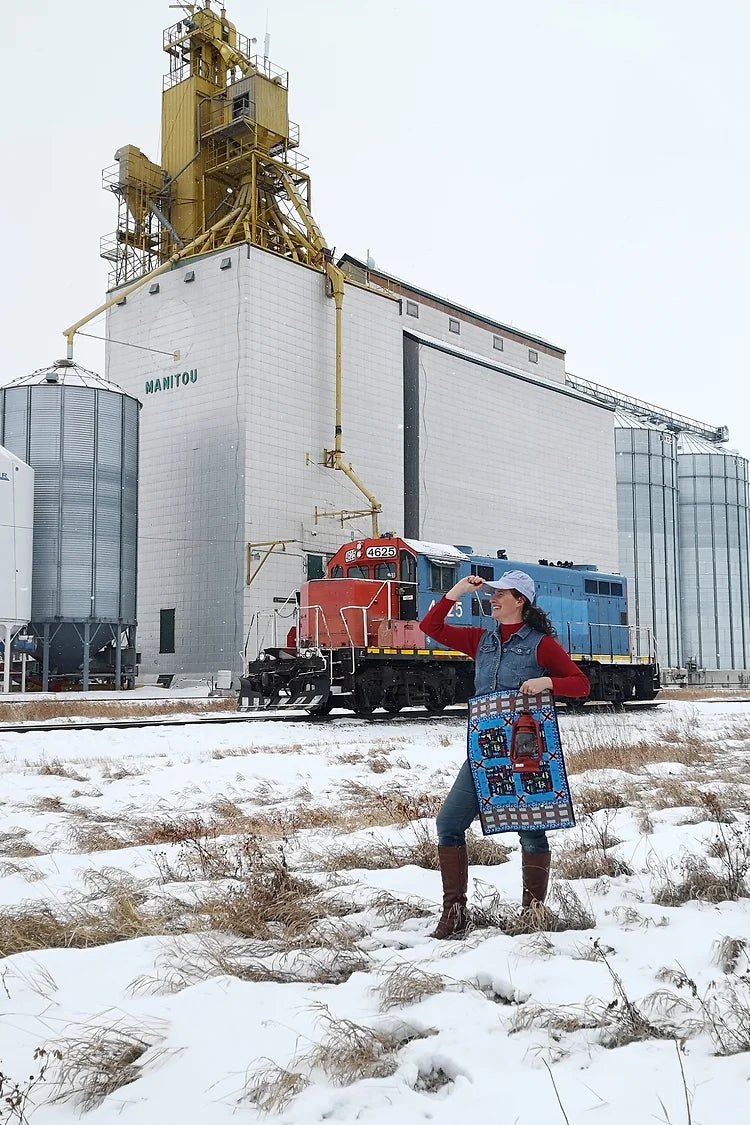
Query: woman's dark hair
[535, 617]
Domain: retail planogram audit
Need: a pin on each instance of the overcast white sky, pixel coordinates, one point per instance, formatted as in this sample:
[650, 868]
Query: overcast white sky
[577, 168]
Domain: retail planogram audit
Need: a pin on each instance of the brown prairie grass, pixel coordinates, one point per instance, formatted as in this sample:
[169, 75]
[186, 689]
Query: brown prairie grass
[43, 710]
[115, 910]
[49, 804]
[95, 837]
[420, 851]
[262, 900]
[632, 757]
[580, 861]
[594, 798]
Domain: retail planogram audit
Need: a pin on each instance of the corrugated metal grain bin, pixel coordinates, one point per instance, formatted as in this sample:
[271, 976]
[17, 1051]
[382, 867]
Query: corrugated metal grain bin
[714, 555]
[646, 459]
[80, 435]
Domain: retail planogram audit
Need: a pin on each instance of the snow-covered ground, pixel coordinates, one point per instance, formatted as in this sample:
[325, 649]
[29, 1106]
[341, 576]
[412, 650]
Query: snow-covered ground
[242, 928]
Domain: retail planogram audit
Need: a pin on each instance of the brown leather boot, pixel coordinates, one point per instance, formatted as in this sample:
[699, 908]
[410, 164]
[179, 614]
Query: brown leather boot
[535, 872]
[454, 870]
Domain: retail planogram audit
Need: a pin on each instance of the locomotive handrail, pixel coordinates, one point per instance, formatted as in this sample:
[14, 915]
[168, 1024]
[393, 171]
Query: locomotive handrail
[364, 609]
[319, 612]
[635, 650]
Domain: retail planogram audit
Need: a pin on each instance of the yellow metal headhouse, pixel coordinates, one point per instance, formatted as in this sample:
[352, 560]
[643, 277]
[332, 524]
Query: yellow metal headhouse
[230, 171]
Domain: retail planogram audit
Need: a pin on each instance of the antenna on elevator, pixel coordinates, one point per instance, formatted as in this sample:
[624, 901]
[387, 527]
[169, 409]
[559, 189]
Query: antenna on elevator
[267, 41]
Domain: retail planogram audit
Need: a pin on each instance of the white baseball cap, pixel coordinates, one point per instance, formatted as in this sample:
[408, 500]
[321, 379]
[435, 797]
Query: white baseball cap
[513, 580]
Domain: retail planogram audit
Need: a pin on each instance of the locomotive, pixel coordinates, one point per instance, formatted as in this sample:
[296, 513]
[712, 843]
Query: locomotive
[358, 644]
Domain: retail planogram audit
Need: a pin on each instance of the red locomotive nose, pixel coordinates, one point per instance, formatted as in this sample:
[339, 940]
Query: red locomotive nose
[526, 745]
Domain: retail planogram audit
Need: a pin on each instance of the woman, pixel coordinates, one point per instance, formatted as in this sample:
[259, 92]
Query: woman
[517, 652]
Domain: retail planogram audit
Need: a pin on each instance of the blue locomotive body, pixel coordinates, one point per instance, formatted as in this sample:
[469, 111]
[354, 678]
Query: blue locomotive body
[588, 609]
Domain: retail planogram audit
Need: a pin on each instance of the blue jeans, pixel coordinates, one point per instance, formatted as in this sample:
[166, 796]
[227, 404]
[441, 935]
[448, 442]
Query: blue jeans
[461, 807]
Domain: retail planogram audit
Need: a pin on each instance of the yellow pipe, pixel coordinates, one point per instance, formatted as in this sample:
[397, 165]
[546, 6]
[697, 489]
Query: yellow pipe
[185, 252]
[336, 278]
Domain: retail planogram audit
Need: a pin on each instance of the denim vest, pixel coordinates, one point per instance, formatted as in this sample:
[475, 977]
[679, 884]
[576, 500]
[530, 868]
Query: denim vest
[504, 668]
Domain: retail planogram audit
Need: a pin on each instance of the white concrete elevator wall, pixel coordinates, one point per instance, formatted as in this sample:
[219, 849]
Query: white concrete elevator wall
[291, 420]
[191, 554]
[224, 454]
[517, 353]
[508, 463]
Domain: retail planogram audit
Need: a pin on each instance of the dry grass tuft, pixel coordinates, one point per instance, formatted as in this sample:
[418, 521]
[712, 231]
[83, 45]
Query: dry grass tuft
[594, 798]
[369, 805]
[579, 861]
[271, 1088]
[16, 846]
[350, 1052]
[90, 838]
[55, 768]
[396, 911]
[698, 881]
[100, 1061]
[600, 745]
[565, 1019]
[407, 984]
[728, 951]
[489, 908]
[49, 804]
[486, 851]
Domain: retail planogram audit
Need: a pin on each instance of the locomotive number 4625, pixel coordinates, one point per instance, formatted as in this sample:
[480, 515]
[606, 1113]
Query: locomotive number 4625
[381, 552]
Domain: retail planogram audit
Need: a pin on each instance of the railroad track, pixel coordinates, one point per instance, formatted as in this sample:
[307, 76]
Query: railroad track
[407, 718]
[215, 720]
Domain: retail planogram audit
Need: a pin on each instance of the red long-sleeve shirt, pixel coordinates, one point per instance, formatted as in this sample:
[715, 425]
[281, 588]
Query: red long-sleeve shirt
[568, 681]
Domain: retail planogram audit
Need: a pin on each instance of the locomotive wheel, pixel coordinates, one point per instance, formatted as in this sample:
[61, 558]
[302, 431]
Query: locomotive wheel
[433, 700]
[363, 704]
[392, 702]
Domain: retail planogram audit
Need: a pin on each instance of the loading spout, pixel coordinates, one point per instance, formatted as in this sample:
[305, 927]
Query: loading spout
[191, 249]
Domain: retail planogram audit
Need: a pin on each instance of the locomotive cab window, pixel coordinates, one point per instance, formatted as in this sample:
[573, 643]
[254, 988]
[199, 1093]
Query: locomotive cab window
[485, 572]
[616, 589]
[442, 577]
[481, 607]
[386, 571]
[358, 572]
[337, 572]
[590, 586]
